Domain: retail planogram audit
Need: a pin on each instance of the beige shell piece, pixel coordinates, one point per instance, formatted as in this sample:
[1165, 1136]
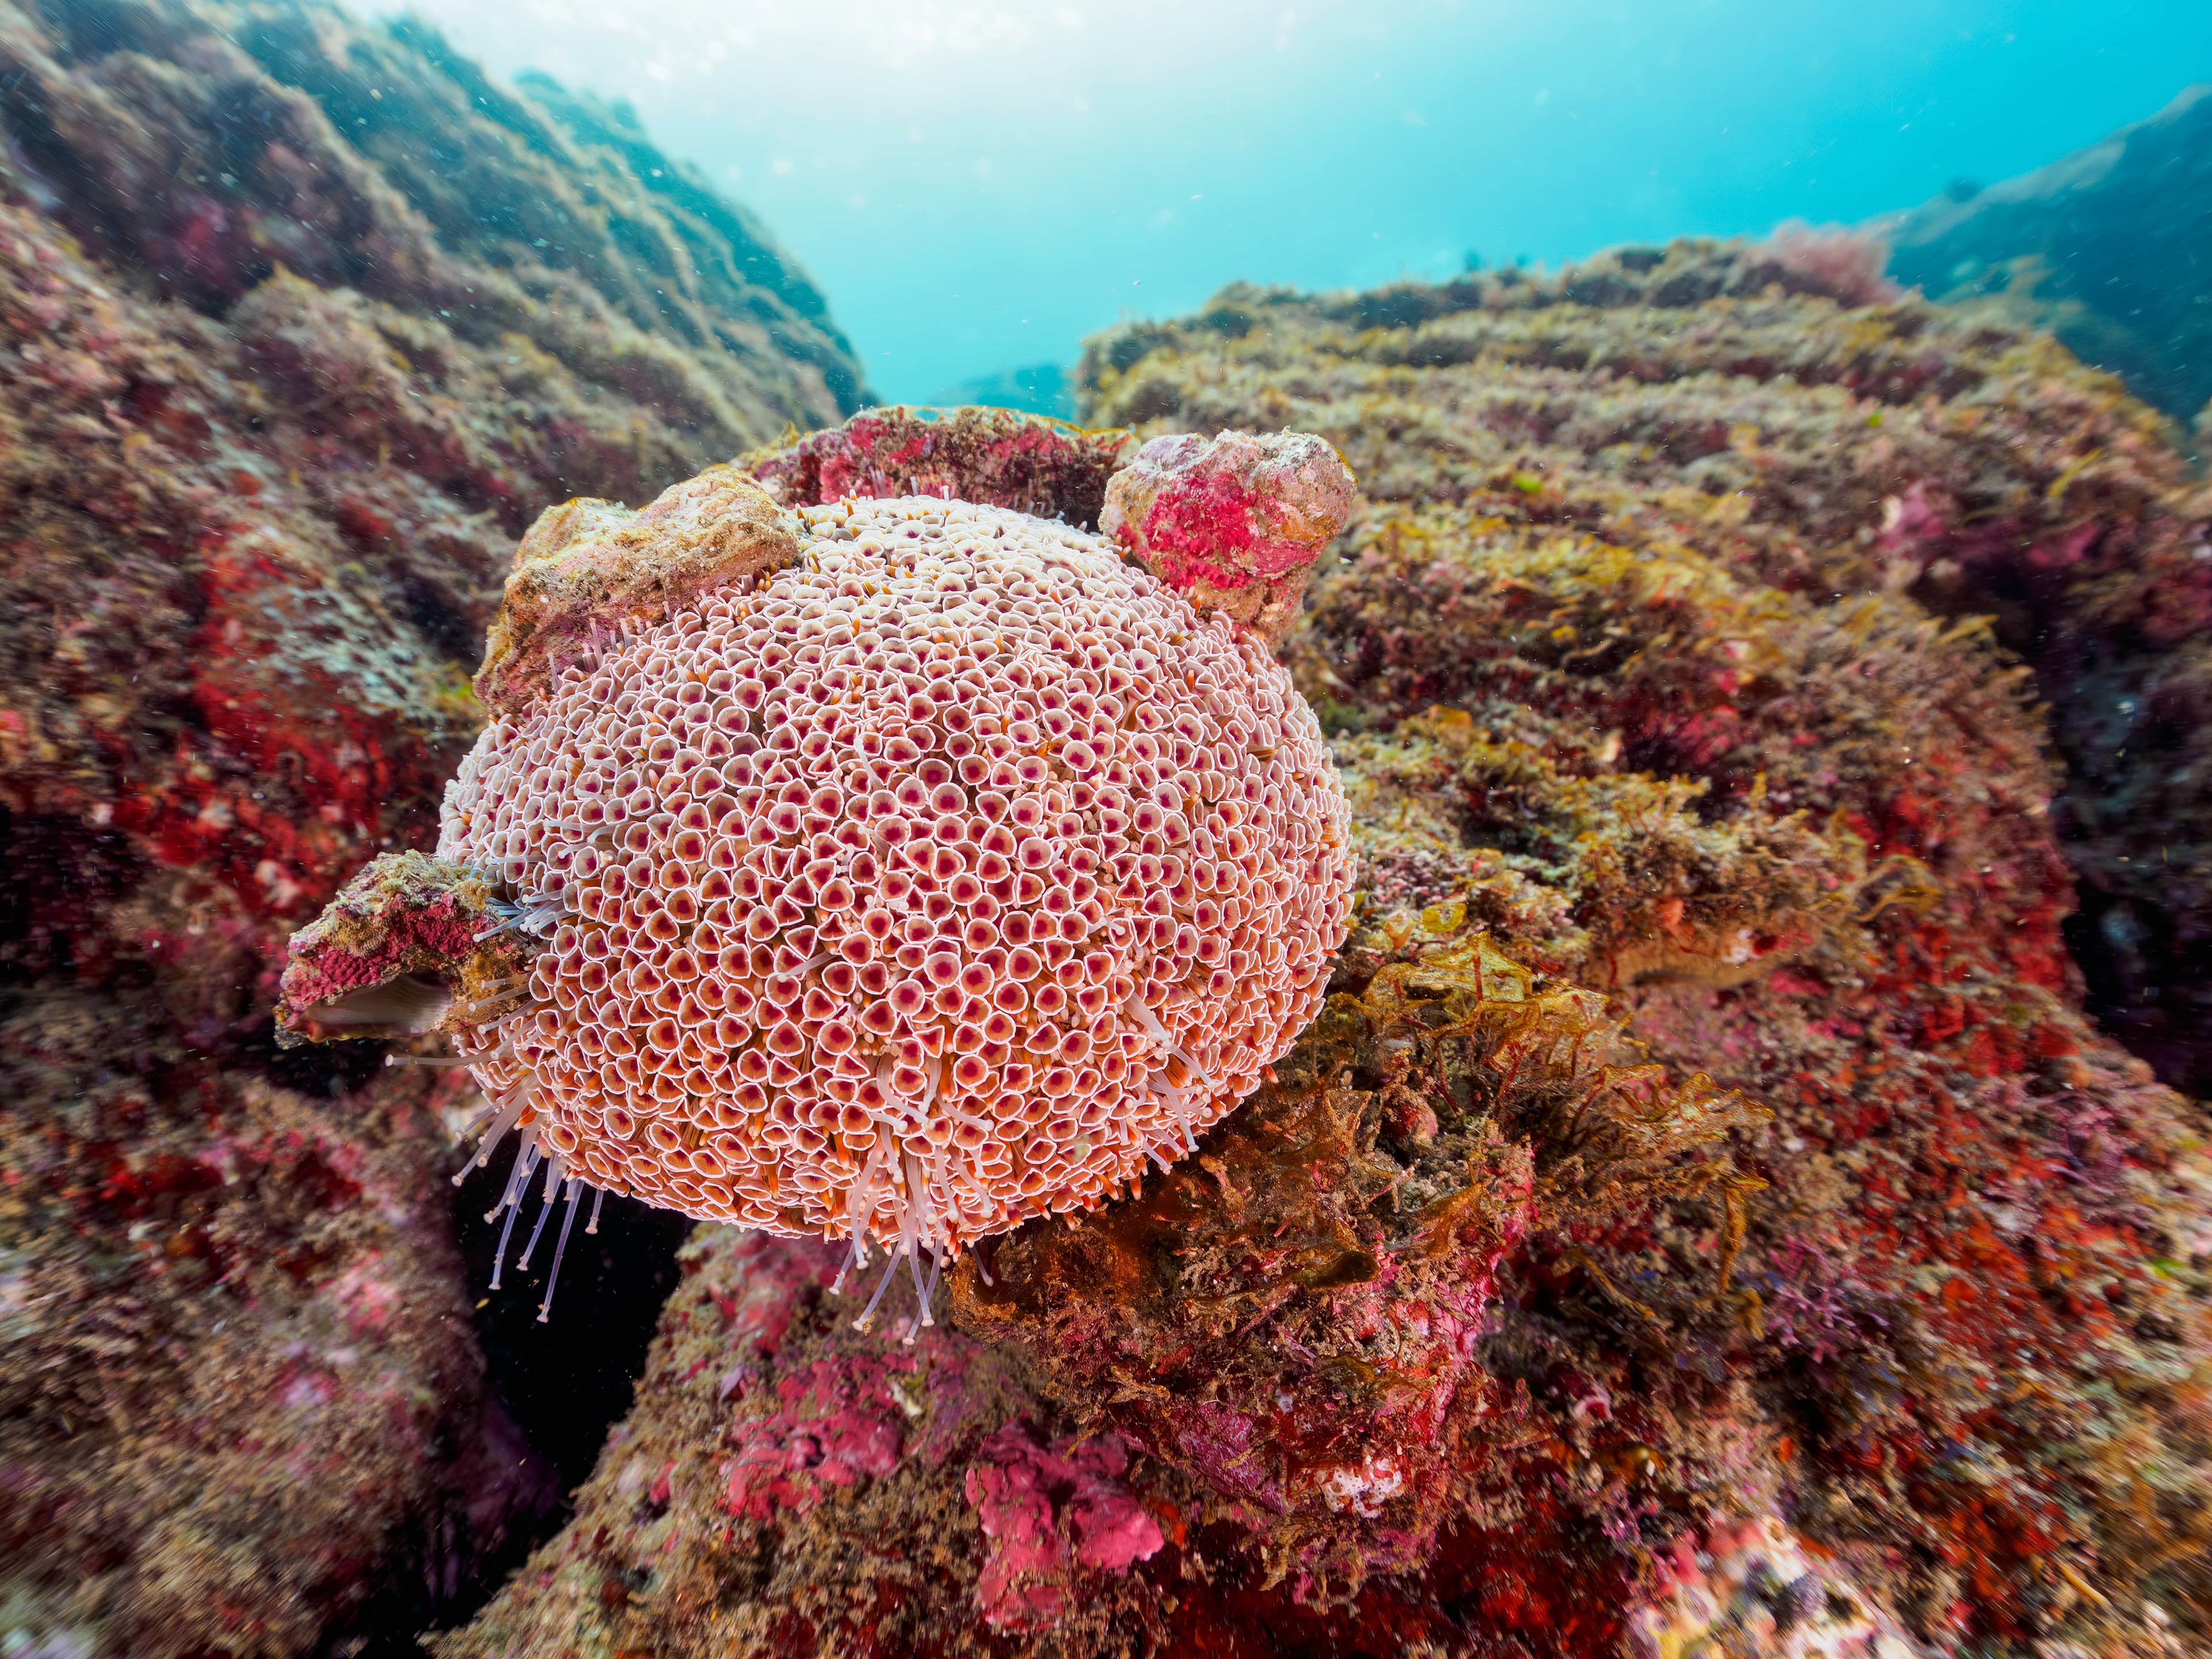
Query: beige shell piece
[587, 565]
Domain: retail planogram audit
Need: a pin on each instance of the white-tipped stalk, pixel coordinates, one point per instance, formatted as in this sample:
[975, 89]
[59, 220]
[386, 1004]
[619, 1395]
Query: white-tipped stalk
[598, 1197]
[906, 1247]
[526, 1161]
[560, 1245]
[859, 1208]
[928, 1293]
[868, 1313]
[499, 1007]
[920, 1295]
[1179, 1112]
[1146, 1021]
[544, 1209]
[477, 1125]
[508, 1111]
[538, 914]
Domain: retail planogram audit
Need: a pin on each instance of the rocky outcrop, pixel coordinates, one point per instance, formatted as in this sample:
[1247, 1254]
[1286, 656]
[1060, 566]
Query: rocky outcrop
[1677, 532]
[2110, 248]
[301, 323]
[1702, 1212]
[1718, 397]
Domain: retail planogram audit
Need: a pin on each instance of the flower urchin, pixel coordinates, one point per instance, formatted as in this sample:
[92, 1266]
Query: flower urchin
[931, 882]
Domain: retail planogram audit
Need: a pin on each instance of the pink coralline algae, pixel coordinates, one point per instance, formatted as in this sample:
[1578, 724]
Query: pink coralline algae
[1237, 520]
[786, 1485]
[990, 456]
[922, 868]
[374, 963]
[1044, 1505]
[834, 1423]
[1835, 260]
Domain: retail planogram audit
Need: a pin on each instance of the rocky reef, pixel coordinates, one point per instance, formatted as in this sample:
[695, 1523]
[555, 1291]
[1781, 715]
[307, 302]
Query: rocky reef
[1678, 525]
[1778, 410]
[302, 323]
[1702, 1214]
[562, 281]
[1711, 1212]
[2103, 247]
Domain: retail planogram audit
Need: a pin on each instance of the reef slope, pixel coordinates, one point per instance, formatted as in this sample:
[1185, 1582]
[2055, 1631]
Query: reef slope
[2104, 248]
[1783, 411]
[1696, 516]
[1702, 1210]
[300, 323]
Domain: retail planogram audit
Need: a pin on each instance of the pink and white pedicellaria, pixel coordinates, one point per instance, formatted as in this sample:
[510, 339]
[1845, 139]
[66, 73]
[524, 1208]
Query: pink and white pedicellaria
[933, 883]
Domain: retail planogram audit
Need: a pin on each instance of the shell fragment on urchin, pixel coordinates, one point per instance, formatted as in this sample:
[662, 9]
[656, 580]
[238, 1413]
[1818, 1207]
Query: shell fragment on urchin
[935, 881]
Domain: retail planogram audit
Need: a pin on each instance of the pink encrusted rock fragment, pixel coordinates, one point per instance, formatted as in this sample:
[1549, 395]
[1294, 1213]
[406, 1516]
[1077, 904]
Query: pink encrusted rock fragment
[411, 942]
[1233, 522]
[1046, 1509]
[990, 456]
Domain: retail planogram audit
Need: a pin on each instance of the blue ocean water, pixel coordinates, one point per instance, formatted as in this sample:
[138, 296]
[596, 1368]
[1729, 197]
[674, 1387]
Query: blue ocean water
[977, 187]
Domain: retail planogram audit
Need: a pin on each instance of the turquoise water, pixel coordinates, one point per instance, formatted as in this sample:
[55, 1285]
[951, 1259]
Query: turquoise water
[978, 187]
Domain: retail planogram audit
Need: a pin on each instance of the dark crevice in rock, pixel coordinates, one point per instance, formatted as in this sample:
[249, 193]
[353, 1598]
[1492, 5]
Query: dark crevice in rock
[566, 1382]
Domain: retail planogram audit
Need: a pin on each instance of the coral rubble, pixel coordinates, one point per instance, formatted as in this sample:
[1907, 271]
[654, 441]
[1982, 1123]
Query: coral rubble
[278, 392]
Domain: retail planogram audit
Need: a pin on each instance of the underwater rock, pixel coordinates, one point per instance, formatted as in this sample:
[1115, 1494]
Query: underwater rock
[588, 570]
[2105, 247]
[212, 713]
[1233, 522]
[407, 944]
[1712, 396]
[562, 275]
[271, 419]
[236, 1374]
[1633, 553]
[787, 1483]
[1295, 1318]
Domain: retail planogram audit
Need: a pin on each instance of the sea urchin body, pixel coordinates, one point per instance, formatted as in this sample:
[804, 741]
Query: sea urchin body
[935, 881]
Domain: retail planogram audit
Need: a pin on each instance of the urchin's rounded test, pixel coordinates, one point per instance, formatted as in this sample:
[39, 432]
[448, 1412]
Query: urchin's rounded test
[932, 883]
